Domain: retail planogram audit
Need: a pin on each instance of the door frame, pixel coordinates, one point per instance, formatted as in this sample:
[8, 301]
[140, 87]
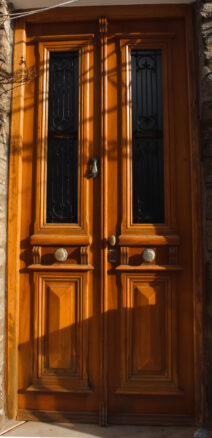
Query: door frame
[15, 182]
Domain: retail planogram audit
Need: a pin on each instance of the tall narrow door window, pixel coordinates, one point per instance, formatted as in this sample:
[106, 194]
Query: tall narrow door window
[147, 137]
[62, 138]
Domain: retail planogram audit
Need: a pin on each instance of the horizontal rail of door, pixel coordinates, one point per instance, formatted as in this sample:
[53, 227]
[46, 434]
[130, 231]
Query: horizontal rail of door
[148, 239]
[146, 268]
[61, 239]
[60, 267]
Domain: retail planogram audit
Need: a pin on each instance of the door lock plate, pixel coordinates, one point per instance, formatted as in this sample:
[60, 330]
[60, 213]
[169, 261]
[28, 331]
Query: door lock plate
[112, 255]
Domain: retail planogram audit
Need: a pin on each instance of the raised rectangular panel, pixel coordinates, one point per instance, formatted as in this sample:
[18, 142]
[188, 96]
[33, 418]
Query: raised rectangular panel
[147, 328]
[148, 334]
[60, 332]
[63, 329]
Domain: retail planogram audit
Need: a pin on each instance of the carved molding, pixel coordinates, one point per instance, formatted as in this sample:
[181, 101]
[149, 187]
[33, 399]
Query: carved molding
[173, 255]
[36, 251]
[103, 22]
[151, 366]
[103, 413]
[84, 255]
[60, 359]
[124, 255]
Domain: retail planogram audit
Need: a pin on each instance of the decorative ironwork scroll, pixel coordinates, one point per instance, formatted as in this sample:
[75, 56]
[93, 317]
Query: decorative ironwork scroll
[147, 137]
[62, 172]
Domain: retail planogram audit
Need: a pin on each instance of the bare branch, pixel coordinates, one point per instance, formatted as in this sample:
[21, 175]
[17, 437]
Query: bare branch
[8, 81]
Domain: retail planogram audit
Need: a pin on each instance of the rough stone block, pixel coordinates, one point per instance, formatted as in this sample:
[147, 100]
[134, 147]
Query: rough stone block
[209, 235]
[206, 141]
[2, 234]
[209, 203]
[202, 433]
[6, 57]
[206, 114]
[208, 170]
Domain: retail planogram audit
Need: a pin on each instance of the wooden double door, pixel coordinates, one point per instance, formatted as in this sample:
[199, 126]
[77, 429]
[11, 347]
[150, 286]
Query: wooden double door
[106, 313]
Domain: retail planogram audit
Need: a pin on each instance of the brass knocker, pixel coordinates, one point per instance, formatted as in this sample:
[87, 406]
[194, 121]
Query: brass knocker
[93, 163]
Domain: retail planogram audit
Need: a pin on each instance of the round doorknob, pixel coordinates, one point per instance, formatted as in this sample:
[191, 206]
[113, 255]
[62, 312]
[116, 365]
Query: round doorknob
[112, 240]
[148, 255]
[61, 255]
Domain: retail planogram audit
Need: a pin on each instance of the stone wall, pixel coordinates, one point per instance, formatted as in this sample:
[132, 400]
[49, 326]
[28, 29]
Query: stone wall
[204, 33]
[5, 68]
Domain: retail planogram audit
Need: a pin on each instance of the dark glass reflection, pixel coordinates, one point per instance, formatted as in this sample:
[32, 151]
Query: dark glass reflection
[62, 138]
[147, 137]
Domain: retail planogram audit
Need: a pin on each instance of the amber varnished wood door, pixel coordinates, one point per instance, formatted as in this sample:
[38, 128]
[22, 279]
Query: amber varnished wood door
[59, 292]
[148, 303]
[106, 301]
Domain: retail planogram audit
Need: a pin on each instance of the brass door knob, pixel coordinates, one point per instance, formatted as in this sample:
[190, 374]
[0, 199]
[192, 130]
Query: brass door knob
[112, 240]
[61, 255]
[148, 255]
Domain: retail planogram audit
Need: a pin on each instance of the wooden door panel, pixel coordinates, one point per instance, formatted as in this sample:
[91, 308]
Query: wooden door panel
[148, 335]
[62, 306]
[107, 332]
[147, 372]
[59, 340]
[60, 333]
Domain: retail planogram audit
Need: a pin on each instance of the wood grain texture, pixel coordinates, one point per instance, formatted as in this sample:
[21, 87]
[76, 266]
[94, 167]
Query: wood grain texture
[148, 239]
[150, 267]
[147, 314]
[92, 418]
[57, 416]
[151, 420]
[103, 23]
[60, 267]
[60, 239]
[14, 224]
[148, 336]
[60, 335]
[197, 223]
[59, 315]
[176, 393]
[115, 12]
[57, 389]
